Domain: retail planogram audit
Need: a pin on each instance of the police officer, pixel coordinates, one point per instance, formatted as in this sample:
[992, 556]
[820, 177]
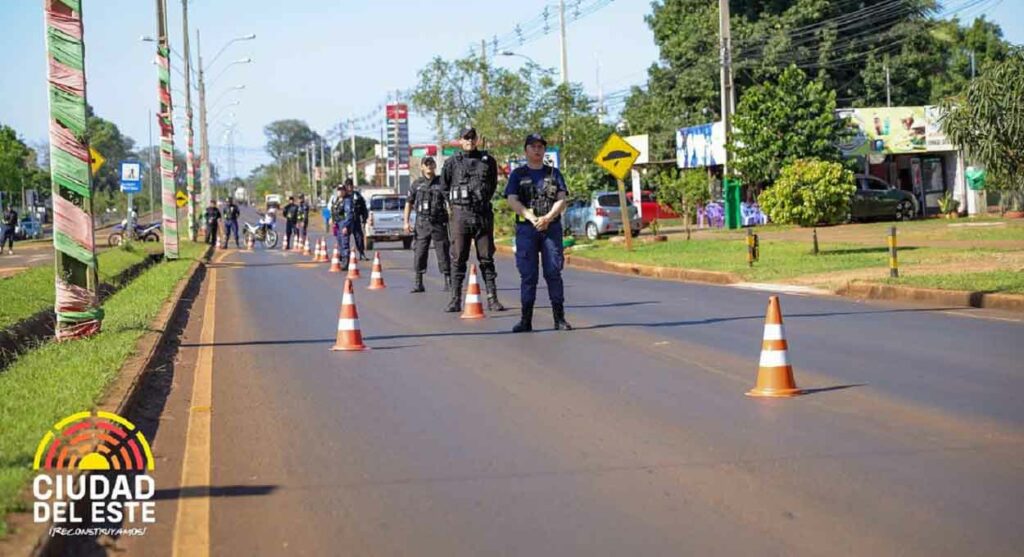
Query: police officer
[303, 220]
[470, 179]
[231, 223]
[343, 215]
[537, 192]
[360, 213]
[212, 217]
[291, 220]
[428, 198]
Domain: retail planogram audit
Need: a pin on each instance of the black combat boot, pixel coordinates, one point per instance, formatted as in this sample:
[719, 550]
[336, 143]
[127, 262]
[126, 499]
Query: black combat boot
[455, 304]
[418, 285]
[447, 283]
[492, 296]
[525, 324]
[558, 311]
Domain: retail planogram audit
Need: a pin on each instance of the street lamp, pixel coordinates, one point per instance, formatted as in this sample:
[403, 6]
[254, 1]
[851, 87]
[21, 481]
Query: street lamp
[510, 53]
[235, 63]
[224, 93]
[248, 37]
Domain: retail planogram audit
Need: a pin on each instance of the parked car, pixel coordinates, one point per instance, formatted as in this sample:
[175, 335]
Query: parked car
[28, 228]
[599, 215]
[650, 208]
[385, 223]
[877, 199]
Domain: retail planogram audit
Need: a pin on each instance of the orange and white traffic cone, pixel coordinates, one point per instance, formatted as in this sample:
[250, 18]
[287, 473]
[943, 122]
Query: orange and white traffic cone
[376, 276]
[774, 374]
[472, 308]
[316, 252]
[320, 250]
[248, 243]
[336, 262]
[353, 265]
[305, 247]
[350, 338]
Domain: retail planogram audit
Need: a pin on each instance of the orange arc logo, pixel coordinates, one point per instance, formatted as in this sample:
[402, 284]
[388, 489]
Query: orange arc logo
[100, 441]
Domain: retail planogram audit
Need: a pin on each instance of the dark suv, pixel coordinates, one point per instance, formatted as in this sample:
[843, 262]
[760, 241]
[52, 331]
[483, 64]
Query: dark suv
[876, 199]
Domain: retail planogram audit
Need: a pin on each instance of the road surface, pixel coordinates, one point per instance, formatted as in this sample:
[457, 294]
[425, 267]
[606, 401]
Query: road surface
[629, 436]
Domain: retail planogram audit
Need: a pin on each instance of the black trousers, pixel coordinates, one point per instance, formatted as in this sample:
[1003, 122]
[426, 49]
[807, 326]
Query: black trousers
[290, 229]
[438, 232]
[211, 232]
[469, 228]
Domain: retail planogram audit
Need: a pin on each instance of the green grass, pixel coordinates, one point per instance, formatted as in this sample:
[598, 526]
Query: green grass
[779, 259]
[1011, 282]
[27, 293]
[58, 379]
[945, 229]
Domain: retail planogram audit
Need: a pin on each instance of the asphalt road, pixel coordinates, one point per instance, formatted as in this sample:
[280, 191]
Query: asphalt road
[630, 435]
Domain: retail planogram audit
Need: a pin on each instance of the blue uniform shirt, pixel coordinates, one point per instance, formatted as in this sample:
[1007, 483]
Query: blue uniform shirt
[525, 175]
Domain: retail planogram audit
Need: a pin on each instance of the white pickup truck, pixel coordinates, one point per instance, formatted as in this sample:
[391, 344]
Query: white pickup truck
[386, 220]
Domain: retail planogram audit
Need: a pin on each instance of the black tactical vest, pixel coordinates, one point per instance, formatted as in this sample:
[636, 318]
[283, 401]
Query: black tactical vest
[538, 197]
[469, 182]
[430, 200]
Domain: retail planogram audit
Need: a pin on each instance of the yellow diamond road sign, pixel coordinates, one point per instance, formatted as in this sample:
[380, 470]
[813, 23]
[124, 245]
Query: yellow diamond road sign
[181, 198]
[96, 161]
[617, 156]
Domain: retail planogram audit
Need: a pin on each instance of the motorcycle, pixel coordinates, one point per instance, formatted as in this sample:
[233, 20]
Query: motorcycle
[261, 232]
[140, 232]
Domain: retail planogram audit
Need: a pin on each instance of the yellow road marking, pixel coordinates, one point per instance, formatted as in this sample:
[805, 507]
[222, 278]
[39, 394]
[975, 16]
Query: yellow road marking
[192, 524]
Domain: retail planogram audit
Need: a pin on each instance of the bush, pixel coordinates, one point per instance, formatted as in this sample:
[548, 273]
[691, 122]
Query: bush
[809, 192]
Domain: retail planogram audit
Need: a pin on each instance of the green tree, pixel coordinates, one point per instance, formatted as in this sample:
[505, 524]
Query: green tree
[809, 192]
[683, 191]
[287, 137]
[14, 163]
[982, 38]
[777, 123]
[105, 137]
[987, 120]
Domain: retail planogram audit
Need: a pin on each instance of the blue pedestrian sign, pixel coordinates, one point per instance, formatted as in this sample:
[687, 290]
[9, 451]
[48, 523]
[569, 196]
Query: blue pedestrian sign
[131, 177]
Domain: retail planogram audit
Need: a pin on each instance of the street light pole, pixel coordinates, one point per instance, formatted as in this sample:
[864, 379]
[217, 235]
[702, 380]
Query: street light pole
[204, 130]
[193, 214]
[565, 55]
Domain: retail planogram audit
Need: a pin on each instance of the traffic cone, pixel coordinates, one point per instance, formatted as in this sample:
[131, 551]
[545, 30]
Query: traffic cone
[350, 338]
[353, 265]
[774, 375]
[472, 308]
[376, 276]
[336, 262]
[316, 252]
[305, 247]
[248, 243]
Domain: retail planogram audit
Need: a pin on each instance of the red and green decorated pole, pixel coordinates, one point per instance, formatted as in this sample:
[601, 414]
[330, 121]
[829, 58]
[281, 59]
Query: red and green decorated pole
[77, 302]
[170, 210]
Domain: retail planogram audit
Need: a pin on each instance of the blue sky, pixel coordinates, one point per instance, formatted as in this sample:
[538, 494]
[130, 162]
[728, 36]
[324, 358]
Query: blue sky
[316, 60]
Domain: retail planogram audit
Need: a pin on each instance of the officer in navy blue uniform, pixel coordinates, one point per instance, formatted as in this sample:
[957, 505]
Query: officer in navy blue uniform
[343, 215]
[470, 178]
[537, 192]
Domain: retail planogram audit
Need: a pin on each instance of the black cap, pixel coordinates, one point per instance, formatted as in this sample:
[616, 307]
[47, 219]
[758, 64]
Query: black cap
[467, 130]
[534, 138]
[429, 159]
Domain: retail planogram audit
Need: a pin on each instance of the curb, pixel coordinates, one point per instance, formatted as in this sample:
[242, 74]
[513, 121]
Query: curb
[649, 271]
[966, 298]
[859, 290]
[32, 538]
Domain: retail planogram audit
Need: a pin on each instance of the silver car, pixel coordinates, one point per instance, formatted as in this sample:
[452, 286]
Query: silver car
[599, 215]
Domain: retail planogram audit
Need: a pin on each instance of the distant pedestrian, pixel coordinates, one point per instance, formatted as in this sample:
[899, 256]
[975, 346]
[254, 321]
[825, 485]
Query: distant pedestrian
[10, 222]
[212, 223]
[536, 193]
[291, 220]
[231, 223]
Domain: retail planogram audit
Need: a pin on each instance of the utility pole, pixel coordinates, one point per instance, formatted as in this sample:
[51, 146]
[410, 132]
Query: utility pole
[888, 87]
[565, 55]
[355, 162]
[323, 167]
[725, 45]
[397, 155]
[193, 215]
[76, 279]
[149, 118]
[204, 129]
[167, 189]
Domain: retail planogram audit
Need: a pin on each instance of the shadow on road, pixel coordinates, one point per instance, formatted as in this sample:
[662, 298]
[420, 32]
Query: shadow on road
[827, 389]
[215, 491]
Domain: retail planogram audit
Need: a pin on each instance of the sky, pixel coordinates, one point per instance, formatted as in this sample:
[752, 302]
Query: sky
[321, 61]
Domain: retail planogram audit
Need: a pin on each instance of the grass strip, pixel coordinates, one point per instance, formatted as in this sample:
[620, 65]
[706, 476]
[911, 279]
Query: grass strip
[779, 259]
[27, 293]
[1010, 282]
[58, 379]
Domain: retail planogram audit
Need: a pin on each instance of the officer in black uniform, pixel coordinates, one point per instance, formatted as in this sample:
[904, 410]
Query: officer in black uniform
[428, 199]
[470, 179]
[537, 192]
[212, 216]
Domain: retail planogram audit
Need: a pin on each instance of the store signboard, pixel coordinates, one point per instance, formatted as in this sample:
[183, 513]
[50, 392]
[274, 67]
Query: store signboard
[893, 131]
[700, 146]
